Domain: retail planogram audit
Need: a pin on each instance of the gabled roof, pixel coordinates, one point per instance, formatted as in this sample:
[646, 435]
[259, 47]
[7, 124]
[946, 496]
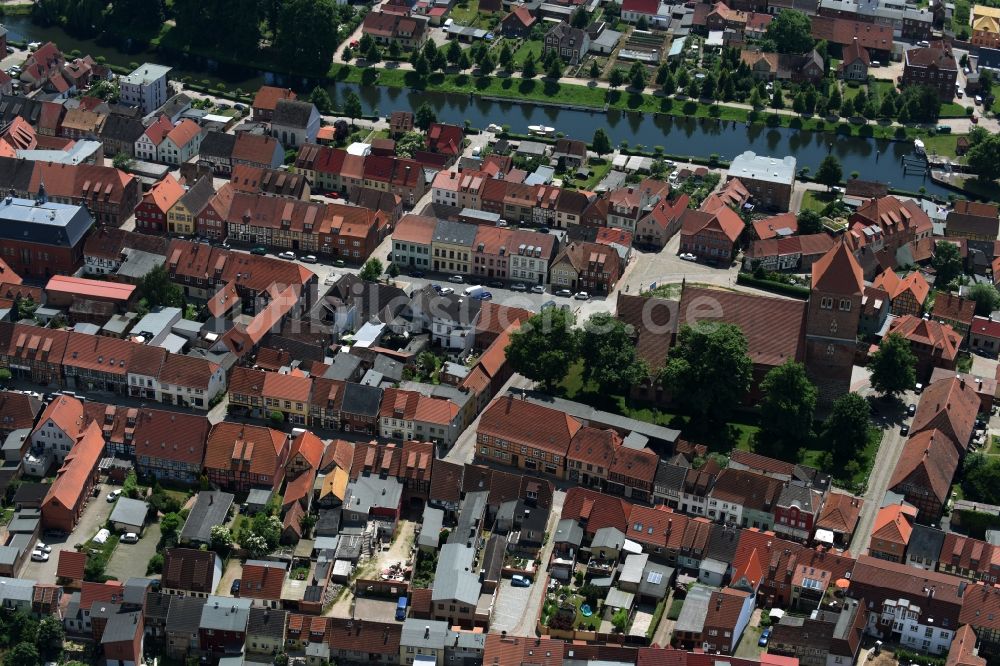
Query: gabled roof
[530, 423]
[840, 513]
[71, 565]
[949, 405]
[78, 466]
[894, 523]
[262, 579]
[928, 461]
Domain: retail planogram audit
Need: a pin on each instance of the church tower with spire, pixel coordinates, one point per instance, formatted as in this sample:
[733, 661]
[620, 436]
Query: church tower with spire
[832, 318]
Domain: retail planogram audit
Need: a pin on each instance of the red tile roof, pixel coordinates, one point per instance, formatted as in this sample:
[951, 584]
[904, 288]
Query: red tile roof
[78, 466]
[894, 523]
[526, 422]
[71, 565]
[928, 462]
[949, 405]
[267, 97]
[232, 443]
[840, 513]
[838, 272]
[520, 651]
[262, 580]
[596, 510]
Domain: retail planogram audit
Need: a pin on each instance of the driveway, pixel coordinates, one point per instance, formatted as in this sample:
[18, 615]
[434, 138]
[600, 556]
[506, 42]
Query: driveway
[95, 515]
[511, 607]
[130, 559]
[234, 571]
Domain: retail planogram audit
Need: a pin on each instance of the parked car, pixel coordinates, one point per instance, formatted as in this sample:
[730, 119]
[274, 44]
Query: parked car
[495, 284]
[445, 291]
[911, 409]
[565, 293]
[417, 273]
[457, 279]
[43, 547]
[309, 259]
[764, 637]
[10, 49]
[129, 537]
[687, 256]
[904, 429]
[114, 495]
[287, 255]
[538, 289]
[259, 251]
[519, 286]
[520, 581]
[234, 589]
[38, 556]
[582, 296]
[483, 295]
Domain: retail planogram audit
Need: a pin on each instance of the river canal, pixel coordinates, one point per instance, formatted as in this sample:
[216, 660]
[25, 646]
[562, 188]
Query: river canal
[872, 159]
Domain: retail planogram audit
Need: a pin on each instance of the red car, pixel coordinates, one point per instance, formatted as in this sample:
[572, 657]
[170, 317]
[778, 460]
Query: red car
[354, 44]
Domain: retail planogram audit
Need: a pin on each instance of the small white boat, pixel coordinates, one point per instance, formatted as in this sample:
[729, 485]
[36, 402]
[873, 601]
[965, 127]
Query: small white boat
[918, 147]
[541, 130]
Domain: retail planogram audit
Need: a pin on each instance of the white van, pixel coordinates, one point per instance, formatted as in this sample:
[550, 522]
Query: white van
[474, 291]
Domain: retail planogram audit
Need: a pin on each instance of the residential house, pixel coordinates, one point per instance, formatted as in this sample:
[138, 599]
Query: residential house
[769, 180]
[978, 223]
[985, 334]
[191, 572]
[569, 43]
[240, 457]
[294, 123]
[934, 66]
[584, 266]
[217, 152]
[711, 236]
[223, 626]
[517, 23]
[180, 144]
[68, 494]
[261, 582]
[257, 150]
[502, 437]
[955, 311]
[266, 101]
[839, 516]
[855, 63]
[787, 253]
[907, 295]
[145, 87]
[181, 218]
[831, 636]
[169, 446]
[935, 345]
[660, 224]
[147, 146]
[408, 32]
[901, 603]
[924, 473]
[891, 532]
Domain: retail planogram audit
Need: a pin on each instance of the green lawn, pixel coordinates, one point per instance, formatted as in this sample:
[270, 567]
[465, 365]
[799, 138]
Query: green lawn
[533, 46]
[592, 623]
[942, 144]
[816, 200]
[994, 449]
[879, 87]
[952, 110]
[598, 170]
[465, 13]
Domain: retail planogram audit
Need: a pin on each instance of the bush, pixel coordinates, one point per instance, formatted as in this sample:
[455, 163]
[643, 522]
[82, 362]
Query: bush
[155, 565]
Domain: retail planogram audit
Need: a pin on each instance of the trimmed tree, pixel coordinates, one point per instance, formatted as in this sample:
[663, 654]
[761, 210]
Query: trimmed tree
[787, 409]
[709, 370]
[545, 347]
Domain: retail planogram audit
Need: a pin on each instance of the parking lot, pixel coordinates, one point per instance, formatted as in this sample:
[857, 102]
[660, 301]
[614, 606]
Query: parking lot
[94, 516]
[130, 559]
[376, 610]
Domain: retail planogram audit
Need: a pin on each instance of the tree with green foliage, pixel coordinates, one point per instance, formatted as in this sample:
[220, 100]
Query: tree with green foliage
[791, 32]
[155, 564]
[620, 620]
[424, 117]
[262, 535]
[170, 525]
[454, 52]
[810, 222]
[528, 68]
[580, 19]
[786, 410]
[130, 487]
[777, 98]
[486, 64]
[122, 161]
[846, 429]
[410, 143]
[637, 76]
[981, 478]
[595, 70]
[506, 55]
[829, 172]
[612, 362]
[708, 372]
[352, 106]
[51, 635]
[616, 78]
[984, 158]
[545, 347]
[371, 271]
[601, 144]
[554, 71]
[947, 263]
[986, 297]
[157, 289]
[893, 366]
[306, 35]
[23, 654]
[320, 98]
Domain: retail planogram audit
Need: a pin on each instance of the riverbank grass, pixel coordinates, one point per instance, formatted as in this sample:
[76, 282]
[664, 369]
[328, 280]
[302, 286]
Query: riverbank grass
[816, 200]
